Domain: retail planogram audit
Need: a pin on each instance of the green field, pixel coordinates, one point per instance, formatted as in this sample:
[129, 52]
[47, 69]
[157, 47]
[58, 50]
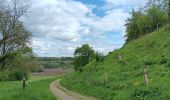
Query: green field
[37, 89]
[125, 77]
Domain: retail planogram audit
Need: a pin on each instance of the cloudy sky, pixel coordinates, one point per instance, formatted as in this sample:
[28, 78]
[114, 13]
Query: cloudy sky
[59, 26]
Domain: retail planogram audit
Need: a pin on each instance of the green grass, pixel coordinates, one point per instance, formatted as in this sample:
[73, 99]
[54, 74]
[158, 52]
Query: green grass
[125, 78]
[37, 89]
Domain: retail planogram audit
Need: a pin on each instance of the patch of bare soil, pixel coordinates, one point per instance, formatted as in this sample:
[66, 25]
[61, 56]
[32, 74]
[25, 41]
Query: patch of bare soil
[52, 72]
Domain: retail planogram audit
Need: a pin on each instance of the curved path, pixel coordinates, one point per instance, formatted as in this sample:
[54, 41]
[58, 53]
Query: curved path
[63, 94]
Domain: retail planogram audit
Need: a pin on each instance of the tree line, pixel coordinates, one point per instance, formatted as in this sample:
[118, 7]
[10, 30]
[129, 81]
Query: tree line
[56, 62]
[145, 20]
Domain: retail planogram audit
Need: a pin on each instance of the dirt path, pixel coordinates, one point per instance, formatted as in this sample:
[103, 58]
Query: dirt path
[64, 94]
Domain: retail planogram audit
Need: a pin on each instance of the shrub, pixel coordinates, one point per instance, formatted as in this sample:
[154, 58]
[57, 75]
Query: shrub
[163, 61]
[99, 57]
[149, 62]
[167, 64]
[17, 74]
[4, 75]
[144, 93]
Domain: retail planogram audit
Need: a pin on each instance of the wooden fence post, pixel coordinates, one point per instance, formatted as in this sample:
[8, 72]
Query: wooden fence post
[106, 78]
[23, 83]
[145, 75]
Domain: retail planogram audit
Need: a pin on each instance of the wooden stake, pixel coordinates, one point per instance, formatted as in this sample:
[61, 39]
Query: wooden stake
[23, 83]
[106, 77]
[145, 76]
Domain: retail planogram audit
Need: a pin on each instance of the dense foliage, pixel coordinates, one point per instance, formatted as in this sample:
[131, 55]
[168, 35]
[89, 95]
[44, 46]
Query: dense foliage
[16, 56]
[147, 19]
[82, 56]
[169, 10]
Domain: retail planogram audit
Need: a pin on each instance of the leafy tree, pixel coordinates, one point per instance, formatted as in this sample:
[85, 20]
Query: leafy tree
[82, 56]
[146, 20]
[169, 9]
[157, 17]
[15, 38]
[99, 57]
[137, 25]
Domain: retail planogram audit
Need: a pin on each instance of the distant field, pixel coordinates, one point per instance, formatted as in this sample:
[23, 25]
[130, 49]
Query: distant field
[55, 62]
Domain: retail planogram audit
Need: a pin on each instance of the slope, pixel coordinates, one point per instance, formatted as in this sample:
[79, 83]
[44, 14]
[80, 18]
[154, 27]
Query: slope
[120, 75]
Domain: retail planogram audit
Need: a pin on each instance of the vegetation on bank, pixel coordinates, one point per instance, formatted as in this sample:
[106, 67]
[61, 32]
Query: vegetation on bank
[124, 79]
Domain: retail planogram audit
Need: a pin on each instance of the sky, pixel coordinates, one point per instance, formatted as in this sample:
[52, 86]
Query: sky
[59, 26]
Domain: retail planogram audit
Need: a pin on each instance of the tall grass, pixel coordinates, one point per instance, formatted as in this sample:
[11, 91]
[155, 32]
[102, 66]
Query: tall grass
[35, 90]
[125, 78]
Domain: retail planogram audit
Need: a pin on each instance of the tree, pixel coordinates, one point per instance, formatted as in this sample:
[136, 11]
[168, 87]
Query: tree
[15, 38]
[157, 17]
[160, 4]
[82, 56]
[146, 20]
[99, 57]
[169, 10]
[137, 25]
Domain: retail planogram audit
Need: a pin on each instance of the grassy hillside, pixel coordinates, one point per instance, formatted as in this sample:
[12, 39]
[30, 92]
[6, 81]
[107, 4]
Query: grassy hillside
[125, 78]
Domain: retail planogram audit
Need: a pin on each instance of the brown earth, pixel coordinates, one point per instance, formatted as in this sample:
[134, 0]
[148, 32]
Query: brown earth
[52, 72]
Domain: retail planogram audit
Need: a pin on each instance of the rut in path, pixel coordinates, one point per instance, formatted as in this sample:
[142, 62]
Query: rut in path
[63, 94]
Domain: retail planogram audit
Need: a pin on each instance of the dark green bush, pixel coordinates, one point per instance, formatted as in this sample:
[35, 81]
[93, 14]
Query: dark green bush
[99, 57]
[18, 74]
[4, 75]
[146, 93]
[163, 61]
[107, 95]
[149, 62]
[167, 64]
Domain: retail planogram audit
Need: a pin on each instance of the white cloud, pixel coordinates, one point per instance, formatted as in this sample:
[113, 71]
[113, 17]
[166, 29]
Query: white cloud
[61, 25]
[56, 19]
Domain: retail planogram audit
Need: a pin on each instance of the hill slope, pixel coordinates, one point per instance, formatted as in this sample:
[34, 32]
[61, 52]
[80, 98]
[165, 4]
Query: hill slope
[125, 77]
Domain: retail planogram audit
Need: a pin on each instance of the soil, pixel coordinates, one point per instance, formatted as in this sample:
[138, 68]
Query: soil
[52, 72]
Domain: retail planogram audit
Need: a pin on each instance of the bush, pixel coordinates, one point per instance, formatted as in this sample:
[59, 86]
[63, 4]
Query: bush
[163, 61]
[18, 74]
[4, 75]
[167, 64]
[99, 57]
[144, 93]
[149, 62]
